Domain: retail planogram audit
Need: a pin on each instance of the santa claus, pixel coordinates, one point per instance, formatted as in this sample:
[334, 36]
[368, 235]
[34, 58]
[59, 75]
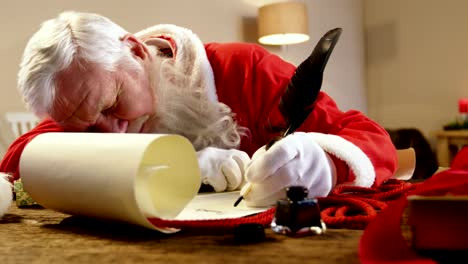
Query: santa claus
[82, 72]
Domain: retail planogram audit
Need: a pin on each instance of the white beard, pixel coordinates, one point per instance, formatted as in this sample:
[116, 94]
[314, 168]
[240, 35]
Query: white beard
[183, 108]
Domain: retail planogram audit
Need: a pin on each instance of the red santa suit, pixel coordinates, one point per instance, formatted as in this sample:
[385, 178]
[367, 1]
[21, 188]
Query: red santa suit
[250, 80]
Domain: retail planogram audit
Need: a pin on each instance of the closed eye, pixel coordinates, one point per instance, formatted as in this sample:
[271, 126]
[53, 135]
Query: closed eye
[112, 108]
[109, 109]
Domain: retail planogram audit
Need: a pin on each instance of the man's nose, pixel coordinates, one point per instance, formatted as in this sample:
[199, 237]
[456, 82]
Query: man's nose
[110, 124]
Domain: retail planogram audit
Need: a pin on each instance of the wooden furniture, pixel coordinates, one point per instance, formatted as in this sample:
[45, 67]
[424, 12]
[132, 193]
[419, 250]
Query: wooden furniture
[21, 122]
[446, 139]
[46, 236]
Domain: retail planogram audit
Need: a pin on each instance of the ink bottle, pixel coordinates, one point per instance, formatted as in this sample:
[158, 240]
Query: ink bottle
[297, 215]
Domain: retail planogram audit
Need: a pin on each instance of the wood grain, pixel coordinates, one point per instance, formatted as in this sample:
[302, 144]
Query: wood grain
[45, 236]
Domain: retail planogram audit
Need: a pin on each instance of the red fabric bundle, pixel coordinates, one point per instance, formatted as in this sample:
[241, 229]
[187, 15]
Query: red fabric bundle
[383, 242]
[348, 207]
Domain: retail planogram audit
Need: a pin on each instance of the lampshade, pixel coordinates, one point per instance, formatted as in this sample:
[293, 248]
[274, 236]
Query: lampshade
[283, 23]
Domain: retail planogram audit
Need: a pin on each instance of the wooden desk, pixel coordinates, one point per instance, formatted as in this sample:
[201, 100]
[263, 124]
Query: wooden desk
[45, 236]
[448, 138]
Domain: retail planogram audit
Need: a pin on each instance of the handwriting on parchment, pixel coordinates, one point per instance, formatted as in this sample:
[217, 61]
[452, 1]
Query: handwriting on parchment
[209, 211]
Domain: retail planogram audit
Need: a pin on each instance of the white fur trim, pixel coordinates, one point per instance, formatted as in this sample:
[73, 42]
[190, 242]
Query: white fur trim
[190, 55]
[6, 194]
[346, 151]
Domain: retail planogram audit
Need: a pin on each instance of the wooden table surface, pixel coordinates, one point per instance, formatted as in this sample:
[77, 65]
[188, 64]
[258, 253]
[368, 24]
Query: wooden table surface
[45, 236]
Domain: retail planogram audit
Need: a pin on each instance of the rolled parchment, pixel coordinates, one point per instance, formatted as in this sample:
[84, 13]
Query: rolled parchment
[125, 177]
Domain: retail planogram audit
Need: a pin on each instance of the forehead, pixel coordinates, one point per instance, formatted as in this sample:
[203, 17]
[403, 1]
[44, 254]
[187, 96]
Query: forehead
[81, 85]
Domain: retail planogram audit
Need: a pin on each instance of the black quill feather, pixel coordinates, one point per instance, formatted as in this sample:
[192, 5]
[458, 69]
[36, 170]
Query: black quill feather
[300, 95]
[299, 98]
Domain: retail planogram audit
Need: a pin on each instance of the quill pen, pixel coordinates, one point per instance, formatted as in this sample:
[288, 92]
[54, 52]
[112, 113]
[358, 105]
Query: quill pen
[298, 99]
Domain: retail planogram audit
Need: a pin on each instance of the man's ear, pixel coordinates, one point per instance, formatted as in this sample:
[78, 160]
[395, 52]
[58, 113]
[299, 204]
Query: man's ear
[137, 47]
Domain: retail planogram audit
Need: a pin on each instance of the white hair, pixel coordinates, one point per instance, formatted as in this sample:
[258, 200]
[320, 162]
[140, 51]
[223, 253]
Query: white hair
[58, 42]
[183, 108]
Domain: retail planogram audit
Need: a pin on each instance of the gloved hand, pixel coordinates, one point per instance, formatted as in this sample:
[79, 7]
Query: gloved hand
[294, 160]
[223, 169]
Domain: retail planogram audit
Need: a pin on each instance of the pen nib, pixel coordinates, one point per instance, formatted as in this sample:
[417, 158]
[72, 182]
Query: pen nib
[238, 200]
[243, 192]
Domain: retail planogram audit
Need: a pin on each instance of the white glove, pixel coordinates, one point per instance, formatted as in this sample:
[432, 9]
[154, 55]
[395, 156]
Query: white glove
[223, 169]
[294, 160]
[6, 194]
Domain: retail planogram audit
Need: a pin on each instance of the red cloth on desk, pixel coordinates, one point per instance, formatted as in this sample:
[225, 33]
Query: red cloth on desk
[383, 242]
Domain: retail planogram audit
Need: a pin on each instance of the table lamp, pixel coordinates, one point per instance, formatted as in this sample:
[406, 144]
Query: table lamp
[283, 23]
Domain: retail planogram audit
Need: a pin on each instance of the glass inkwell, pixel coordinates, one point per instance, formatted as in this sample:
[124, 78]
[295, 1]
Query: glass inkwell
[297, 215]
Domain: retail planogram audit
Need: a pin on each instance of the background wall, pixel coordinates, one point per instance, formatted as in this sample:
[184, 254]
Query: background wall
[417, 61]
[212, 20]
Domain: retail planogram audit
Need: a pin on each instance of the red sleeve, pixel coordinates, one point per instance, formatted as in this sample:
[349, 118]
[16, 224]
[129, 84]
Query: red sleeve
[251, 81]
[358, 129]
[10, 161]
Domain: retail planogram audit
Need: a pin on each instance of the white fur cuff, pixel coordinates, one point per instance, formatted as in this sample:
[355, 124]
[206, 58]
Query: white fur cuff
[6, 194]
[346, 151]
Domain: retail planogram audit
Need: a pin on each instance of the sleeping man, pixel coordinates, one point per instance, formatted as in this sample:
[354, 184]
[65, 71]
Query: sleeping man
[81, 72]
